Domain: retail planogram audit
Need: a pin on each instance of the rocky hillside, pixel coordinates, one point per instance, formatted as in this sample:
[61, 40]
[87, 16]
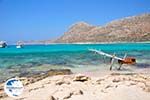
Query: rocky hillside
[130, 29]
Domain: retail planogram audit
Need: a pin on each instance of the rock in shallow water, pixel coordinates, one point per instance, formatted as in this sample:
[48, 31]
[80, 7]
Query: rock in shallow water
[59, 72]
[36, 77]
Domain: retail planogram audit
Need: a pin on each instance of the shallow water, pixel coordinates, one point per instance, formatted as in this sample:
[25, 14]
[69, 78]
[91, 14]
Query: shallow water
[36, 58]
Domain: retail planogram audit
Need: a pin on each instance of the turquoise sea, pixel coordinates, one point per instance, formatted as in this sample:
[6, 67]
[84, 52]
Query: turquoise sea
[38, 58]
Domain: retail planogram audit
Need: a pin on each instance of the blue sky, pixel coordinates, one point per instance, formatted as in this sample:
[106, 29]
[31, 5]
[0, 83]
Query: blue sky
[47, 19]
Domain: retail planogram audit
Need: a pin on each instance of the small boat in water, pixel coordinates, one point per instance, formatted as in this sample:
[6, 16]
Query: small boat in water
[19, 45]
[3, 44]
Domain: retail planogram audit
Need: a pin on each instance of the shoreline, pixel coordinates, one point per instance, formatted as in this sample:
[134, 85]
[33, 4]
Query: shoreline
[75, 86]
[101, 42]
[82, 43]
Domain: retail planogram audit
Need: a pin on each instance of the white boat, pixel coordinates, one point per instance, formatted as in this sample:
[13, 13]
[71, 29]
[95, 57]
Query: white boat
[3, 44]
[19, 45]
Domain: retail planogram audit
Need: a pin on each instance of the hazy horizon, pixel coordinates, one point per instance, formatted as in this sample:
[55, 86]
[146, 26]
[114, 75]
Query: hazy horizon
[47, 19]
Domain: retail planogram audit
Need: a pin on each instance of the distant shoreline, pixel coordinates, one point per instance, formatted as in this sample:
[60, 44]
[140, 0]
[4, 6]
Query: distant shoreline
[100, 42]
[82, 43]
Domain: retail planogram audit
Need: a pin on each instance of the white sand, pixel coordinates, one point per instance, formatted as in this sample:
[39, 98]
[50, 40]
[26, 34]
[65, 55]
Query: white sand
[122, 86]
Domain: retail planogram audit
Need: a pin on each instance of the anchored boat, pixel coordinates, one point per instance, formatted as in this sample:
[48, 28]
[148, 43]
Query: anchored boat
[19, 44]
[3, 44]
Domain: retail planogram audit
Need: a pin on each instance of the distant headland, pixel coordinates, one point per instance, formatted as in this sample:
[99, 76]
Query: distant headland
[129, 29]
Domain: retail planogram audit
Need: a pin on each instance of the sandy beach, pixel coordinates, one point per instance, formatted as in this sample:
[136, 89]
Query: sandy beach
[75, 50]
[98, 85]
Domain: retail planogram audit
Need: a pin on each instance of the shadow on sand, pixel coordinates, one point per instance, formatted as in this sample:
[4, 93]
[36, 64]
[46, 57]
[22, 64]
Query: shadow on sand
[143, 65]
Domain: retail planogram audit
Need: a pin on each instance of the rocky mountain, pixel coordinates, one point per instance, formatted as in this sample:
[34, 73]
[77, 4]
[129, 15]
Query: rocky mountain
[129, 29]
